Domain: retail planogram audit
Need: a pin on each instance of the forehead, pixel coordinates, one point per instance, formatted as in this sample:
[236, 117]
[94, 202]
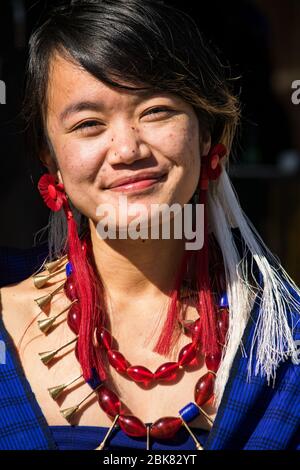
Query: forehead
[69, 82]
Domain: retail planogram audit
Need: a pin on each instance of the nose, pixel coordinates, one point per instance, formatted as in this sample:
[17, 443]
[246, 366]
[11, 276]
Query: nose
[126, 146]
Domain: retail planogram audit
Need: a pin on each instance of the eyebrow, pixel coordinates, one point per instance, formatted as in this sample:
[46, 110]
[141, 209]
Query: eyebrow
[98, 106]
[80, 106]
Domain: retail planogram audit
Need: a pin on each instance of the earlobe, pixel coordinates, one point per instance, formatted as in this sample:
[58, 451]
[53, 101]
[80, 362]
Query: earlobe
[215, 159]
[47, 160]
[58, 174]
[205, 144]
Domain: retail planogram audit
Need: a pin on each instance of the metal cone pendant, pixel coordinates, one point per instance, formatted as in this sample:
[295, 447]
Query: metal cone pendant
[53, 265]
[40, 280]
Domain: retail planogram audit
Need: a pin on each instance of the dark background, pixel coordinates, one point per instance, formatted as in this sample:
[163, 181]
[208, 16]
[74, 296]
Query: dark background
[260, 39]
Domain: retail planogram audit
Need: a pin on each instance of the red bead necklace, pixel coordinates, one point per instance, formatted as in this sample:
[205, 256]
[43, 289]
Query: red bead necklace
[166, 427]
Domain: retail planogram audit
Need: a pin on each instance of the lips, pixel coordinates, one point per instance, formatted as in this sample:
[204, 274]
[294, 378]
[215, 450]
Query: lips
[138, 186]
[141, 177]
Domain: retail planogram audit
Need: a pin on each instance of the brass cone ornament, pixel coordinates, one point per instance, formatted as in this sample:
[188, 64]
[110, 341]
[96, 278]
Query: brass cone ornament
[53, 265]
[40, 280]
[68, 413]
[197, 443]
[46, 324]
[47, 356]
[148, 437]
[46, 299]
[102, 445]
[205, 414]
[55, 392]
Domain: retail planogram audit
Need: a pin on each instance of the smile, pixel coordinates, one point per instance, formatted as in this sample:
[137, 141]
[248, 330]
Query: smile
[138, 186]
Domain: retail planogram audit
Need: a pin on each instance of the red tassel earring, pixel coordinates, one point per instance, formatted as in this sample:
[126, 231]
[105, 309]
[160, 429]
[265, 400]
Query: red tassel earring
[207, 333]
[55, 198]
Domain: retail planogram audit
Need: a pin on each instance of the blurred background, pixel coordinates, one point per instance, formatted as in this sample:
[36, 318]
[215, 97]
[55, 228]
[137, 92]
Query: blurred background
[260, 39]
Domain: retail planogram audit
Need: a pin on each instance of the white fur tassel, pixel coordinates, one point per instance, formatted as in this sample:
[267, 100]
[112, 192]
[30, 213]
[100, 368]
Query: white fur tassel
[273, 337]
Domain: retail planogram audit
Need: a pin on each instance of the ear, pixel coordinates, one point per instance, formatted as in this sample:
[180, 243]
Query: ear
[48, 160]
[50, 163]
[205, 143]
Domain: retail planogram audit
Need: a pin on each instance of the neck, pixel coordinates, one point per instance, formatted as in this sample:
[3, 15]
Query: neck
[146, 267]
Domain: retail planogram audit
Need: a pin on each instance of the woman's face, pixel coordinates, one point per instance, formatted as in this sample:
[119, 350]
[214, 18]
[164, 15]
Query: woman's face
[100, 134]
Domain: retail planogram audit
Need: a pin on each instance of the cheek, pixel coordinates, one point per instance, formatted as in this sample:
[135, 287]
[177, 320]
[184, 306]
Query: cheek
[180, 144]
[186, 155]
[78, 161]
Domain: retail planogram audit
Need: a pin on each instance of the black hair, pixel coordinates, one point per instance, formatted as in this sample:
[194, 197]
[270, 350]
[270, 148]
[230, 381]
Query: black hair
[131, 44]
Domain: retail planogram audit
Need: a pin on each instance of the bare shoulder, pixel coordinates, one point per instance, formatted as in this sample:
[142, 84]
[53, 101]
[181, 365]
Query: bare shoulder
[15, 304]
[18, 307]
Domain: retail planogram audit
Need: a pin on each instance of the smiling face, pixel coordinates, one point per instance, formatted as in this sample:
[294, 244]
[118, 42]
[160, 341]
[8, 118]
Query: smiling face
[100, 134]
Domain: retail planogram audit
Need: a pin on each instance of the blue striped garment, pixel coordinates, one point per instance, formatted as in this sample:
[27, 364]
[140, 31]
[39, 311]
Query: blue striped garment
[251, 416]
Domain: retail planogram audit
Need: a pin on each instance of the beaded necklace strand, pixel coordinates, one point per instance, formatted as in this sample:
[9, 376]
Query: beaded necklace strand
[164, 428]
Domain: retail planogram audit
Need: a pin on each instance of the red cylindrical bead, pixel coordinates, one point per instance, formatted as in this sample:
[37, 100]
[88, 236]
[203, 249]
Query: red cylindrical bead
[69, 288]
[165, 428]
[104, 338]
[73, 318]
[223, 323]
[108, 401]
[195, 327]
[212, 361]
[167, 371]
[204, 388]
[84, 247]
[187, 354]
[140, 374]
[132, 426]
[117, 360]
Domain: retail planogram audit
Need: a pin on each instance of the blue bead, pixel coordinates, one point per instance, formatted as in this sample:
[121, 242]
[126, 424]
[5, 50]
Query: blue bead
[94, 381]
[69, 269]
[224, 301]
[189, 412]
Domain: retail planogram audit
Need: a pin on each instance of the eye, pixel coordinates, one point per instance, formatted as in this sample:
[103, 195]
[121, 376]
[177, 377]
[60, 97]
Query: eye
[87, 126]
[159, 110]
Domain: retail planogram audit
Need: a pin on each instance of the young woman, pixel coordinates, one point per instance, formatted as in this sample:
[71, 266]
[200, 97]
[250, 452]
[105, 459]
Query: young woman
[143, 341]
